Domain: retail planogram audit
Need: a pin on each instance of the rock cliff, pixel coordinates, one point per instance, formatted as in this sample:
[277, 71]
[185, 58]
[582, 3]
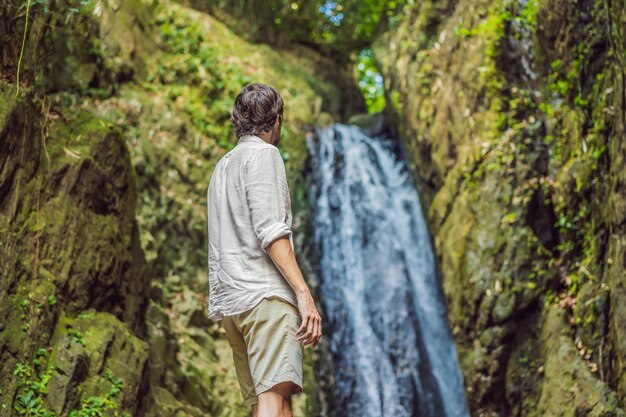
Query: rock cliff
[512, 114]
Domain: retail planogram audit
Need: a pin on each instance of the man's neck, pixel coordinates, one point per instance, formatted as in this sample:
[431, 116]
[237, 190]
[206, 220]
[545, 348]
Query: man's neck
[267, 137]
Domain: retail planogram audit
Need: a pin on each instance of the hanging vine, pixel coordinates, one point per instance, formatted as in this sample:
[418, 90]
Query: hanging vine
[19, 61]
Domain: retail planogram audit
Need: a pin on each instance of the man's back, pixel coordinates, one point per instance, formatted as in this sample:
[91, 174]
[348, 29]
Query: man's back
[249, 206]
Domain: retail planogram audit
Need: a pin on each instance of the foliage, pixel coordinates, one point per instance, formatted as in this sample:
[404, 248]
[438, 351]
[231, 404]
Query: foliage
[336, 28]
[370, 81]
[32, 386]
[189, 59]
[77, 336]
[95, 406]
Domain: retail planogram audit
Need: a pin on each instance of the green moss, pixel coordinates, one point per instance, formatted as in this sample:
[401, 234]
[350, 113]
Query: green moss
[73, 139]
[7, 103]
[395, 101]
[94, 353]
[566, 375]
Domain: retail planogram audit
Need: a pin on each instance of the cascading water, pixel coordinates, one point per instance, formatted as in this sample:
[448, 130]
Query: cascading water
[387, 324]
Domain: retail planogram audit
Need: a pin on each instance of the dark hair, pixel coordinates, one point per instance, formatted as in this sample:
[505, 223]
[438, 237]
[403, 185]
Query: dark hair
[256, 108]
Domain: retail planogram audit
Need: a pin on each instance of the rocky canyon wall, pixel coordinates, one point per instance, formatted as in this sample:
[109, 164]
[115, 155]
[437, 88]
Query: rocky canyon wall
[512, 113]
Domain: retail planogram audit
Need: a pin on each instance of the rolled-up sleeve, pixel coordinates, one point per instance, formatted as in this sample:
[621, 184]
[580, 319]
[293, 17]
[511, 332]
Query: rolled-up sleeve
[267, 195]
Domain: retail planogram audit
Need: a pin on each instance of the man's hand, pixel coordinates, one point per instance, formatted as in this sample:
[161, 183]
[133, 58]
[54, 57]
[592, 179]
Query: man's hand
[310, 330]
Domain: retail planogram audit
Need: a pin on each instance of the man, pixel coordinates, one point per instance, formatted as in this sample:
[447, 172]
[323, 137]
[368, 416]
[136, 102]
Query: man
[256, 289]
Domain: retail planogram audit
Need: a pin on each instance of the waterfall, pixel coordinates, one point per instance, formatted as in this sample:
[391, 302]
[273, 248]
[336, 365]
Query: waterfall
[386, 318]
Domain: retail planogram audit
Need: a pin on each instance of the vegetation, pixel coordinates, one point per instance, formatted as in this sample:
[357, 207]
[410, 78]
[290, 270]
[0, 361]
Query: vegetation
[370, 81]
[336, 28]
[33, 379]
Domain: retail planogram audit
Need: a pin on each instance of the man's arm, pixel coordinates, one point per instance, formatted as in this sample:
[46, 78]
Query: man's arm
[268, 200]
[284, 258]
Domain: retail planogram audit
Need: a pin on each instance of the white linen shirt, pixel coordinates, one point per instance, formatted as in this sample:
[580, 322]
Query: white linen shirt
[248, 207]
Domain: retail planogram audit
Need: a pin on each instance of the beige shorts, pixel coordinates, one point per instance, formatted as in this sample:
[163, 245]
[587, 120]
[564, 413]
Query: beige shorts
[265, 347]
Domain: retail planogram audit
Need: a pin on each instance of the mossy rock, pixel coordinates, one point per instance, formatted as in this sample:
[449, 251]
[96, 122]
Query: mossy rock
[569, 388]
[90, 47]
[84, 348]
[68, 207]
[507, 113]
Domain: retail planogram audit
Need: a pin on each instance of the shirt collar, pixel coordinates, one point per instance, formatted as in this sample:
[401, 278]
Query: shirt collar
[250, 138]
